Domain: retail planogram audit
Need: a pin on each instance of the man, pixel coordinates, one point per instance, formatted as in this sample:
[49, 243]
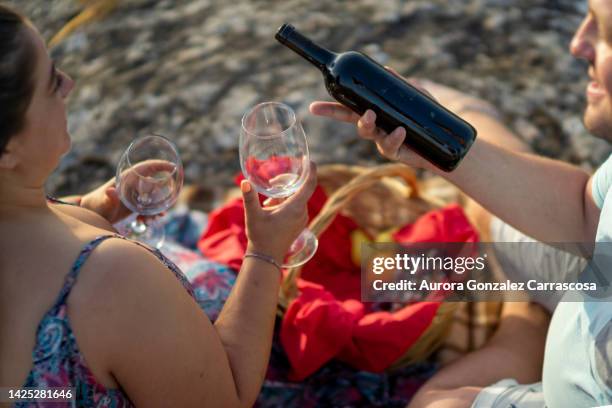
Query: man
[545, 199]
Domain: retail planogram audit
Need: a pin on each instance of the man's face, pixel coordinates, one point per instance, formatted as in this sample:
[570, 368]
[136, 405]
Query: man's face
[593, 43]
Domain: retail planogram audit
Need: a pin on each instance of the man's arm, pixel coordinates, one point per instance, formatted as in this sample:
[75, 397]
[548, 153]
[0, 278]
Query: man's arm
[547, 199]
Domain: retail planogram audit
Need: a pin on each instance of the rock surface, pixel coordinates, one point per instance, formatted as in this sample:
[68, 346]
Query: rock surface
[189, 69]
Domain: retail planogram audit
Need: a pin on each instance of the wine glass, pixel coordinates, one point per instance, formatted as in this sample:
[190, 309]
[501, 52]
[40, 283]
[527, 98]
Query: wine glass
[149, 179]
[274, 158]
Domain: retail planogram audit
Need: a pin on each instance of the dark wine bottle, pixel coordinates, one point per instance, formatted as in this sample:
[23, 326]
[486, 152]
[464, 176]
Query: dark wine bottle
[360, 83]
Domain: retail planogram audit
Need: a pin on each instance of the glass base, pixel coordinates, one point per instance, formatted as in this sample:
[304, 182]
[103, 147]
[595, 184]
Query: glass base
[148, 232]
[302, 250]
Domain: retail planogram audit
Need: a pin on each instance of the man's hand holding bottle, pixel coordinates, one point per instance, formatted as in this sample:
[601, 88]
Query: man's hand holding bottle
[392, 145]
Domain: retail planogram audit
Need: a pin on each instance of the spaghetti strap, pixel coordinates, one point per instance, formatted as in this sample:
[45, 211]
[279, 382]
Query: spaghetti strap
[71, 278]
[54, 200]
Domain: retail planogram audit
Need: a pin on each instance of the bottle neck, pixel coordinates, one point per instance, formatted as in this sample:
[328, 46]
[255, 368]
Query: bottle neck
[318, 56]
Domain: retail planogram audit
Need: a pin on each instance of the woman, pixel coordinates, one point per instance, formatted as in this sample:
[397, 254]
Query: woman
[118, 323]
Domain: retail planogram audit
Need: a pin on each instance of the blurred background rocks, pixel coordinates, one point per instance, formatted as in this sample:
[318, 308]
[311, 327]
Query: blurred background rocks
[189, 69]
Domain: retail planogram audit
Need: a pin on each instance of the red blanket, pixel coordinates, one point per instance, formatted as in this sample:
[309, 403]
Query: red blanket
[328, 320]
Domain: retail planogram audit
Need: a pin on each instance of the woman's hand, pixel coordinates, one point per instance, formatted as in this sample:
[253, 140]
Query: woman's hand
[272, 229]
[105, 201]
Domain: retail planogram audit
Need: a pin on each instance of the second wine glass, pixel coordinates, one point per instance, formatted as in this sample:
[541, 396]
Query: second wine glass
[274, 158]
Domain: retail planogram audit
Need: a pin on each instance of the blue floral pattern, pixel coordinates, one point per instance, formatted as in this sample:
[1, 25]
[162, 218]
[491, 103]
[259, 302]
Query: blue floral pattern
[57, 360]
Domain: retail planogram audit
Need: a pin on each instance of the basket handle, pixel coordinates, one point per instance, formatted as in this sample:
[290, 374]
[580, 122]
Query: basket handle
[338, 200]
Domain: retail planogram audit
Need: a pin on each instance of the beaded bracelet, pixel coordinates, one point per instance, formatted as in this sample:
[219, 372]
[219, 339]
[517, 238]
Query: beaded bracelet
[264, 258]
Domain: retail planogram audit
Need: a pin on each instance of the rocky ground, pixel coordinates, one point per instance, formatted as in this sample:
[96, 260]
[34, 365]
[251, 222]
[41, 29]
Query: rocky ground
[190, 68]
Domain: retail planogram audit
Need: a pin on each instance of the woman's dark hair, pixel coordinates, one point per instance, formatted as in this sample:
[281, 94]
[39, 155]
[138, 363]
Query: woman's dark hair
[17, 63]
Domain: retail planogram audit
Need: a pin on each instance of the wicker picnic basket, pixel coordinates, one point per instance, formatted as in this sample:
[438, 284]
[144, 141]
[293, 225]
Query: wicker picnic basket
[377, 199]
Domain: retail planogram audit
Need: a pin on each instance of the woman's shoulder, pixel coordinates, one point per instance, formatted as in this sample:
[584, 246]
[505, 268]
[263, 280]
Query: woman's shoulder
[113, 267]
[121, 286]
[82, 214]
[117, 259]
